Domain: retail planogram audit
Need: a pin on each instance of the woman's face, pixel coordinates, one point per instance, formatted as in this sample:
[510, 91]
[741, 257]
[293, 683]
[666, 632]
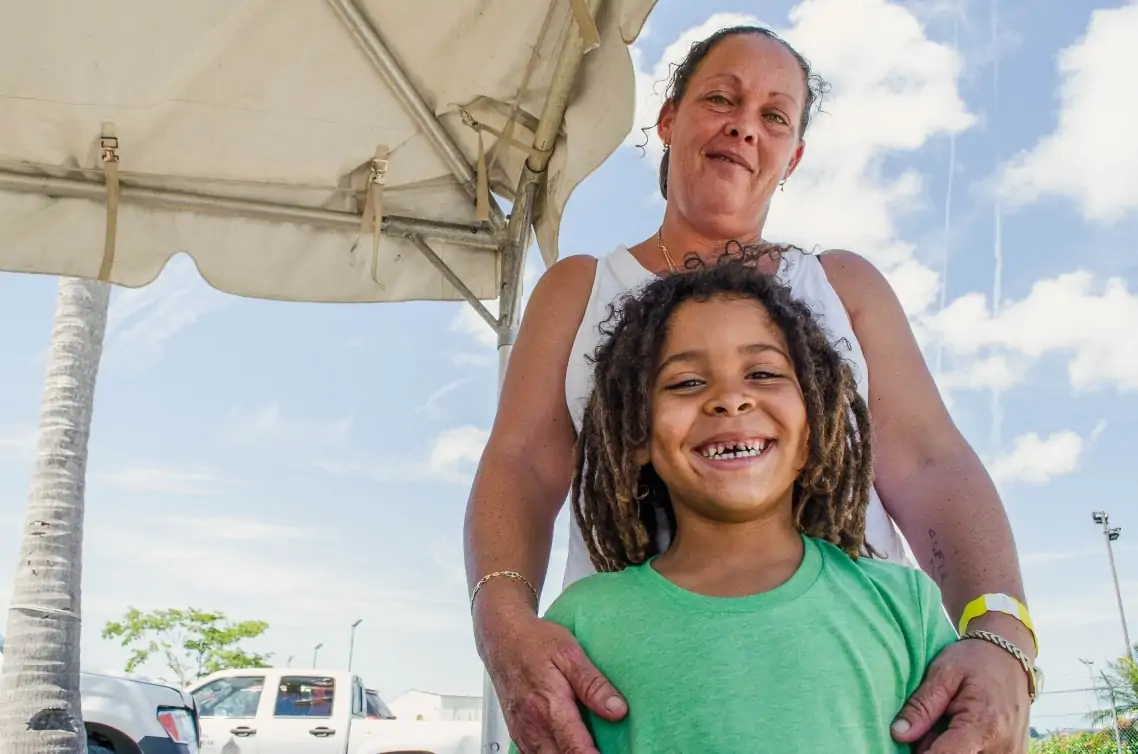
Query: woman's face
[735, 134]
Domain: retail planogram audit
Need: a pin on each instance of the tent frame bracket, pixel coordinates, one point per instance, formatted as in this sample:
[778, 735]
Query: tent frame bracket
[467, 294]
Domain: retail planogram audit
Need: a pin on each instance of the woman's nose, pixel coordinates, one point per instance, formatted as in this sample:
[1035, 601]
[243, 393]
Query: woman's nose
[742, 132]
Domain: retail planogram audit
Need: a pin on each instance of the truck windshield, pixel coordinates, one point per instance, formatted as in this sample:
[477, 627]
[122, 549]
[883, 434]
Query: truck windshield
[230, 697]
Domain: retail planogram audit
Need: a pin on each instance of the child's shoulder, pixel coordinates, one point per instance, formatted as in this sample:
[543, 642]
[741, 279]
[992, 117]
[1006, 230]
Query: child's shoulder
[883, 576]
[592, 593]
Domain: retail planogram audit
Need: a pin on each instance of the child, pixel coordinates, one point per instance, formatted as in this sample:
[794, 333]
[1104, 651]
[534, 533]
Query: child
[719, 403]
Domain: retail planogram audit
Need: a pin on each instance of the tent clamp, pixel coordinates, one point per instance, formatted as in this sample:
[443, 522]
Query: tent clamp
[109, 146]
[371, 219]
[454, 279]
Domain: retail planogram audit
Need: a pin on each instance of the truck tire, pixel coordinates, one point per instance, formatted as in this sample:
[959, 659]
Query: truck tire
[97, 749]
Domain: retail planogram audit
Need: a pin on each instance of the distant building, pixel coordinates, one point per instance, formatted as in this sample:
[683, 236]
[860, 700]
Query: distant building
[425, 705]
[428, 705]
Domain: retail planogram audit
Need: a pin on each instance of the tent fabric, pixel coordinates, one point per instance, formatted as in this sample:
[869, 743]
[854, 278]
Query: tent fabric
[275, 101]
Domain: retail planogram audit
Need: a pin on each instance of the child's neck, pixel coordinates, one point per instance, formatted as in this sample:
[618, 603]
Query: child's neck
[720, 559]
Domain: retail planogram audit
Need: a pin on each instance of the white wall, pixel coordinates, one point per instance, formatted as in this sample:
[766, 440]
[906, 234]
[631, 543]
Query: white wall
[415, 705]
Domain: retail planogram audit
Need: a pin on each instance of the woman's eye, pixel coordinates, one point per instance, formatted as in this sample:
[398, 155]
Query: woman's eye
[718, 99]
[778, 118]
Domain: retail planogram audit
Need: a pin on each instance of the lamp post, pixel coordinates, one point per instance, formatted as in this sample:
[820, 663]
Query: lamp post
[288, 663]
[1110, 534]
[316, 651]
[352, 643]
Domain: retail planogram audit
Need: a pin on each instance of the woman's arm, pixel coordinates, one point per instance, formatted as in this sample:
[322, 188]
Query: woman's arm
[537, 667]
[930, 480]
[525, 469]
[928, 477]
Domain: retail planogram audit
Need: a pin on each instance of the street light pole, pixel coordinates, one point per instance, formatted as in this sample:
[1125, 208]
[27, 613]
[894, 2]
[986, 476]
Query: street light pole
[316, 651]
[1110, 534]
[352, 643]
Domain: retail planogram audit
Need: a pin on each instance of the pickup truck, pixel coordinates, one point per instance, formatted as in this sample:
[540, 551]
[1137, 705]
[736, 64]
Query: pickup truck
[294, 711]
[129, 715]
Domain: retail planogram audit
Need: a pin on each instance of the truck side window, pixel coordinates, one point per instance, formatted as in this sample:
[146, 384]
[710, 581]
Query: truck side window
[230, 697]
[305, 696]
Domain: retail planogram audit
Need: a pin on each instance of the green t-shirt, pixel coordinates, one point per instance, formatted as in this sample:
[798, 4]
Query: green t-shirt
[818, 665]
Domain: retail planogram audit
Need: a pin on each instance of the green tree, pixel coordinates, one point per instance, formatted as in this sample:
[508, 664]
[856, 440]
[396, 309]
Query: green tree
[1117, 688]
[193, 642]
[1084, 742]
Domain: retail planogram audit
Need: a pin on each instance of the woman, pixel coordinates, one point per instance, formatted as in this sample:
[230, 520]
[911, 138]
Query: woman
[732, 127]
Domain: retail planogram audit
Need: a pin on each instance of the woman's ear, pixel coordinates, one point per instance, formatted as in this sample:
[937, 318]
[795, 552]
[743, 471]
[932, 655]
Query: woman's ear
[642, 456]
[665, 121]
[795, 159]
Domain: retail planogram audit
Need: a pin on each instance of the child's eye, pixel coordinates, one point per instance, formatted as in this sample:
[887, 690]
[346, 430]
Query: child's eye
[687, 384]
[763, 374]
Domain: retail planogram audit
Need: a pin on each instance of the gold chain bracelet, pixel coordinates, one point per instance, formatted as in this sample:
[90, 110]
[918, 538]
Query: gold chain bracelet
[1033, 673]
[501, 574]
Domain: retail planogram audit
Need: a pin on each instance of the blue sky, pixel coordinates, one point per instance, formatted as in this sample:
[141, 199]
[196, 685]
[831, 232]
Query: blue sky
[308, 464]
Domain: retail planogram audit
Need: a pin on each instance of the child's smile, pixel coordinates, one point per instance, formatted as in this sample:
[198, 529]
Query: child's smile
[731, 448]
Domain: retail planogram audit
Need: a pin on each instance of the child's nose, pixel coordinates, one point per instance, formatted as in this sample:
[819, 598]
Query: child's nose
[731, 404]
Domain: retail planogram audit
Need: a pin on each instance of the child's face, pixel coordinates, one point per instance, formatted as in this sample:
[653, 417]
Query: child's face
[728, 420]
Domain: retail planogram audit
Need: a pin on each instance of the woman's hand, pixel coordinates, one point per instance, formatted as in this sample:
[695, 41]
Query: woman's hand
[539, 672]
[982, 689]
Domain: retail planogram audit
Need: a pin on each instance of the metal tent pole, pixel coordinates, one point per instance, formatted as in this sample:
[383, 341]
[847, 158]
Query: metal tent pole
[393, 74]
[473, 236]
[495, 736]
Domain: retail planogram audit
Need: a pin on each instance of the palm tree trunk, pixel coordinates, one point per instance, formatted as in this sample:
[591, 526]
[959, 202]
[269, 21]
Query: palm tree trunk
[39, 685]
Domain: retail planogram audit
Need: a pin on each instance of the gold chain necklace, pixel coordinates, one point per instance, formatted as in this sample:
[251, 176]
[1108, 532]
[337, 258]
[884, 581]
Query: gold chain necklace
[664, 250]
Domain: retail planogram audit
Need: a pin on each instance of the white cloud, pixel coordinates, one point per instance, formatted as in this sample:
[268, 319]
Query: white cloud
[1096, 117]
[1069, 314]
[1035, 460]
[451, 458]
[1038, 559]
[894, 90]
[431, 407]
[457, 449]
[477, 360]
[142, 320]
[170, 481]
[998, 372]
[469, 323]
[268, 424]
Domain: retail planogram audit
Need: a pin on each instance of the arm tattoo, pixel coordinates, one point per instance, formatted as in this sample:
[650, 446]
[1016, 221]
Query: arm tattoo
[937, 567]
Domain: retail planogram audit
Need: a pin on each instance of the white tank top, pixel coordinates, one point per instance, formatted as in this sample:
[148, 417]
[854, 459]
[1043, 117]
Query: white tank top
[620, 272]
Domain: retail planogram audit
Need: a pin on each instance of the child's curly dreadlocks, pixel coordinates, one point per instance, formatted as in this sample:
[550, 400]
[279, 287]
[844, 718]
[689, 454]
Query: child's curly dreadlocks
[616, 500]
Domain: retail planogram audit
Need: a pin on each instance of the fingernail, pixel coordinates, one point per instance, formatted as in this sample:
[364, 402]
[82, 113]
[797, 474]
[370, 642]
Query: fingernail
[900, 725]
[614, 704]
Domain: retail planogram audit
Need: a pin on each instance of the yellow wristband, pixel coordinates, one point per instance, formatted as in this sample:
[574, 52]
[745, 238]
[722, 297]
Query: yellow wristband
[998, 603]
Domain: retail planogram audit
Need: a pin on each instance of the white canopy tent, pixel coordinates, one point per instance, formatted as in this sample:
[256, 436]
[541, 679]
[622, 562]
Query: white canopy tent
[265, 137]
